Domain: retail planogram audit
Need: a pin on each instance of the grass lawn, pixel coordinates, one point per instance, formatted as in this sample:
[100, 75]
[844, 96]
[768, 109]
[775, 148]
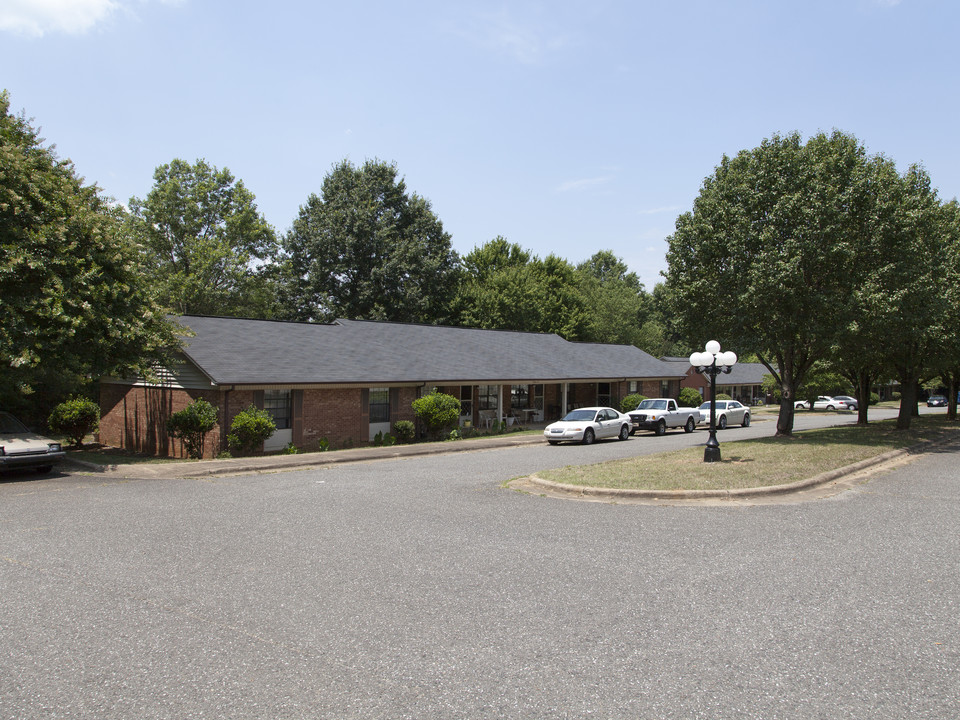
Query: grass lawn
[757, 463]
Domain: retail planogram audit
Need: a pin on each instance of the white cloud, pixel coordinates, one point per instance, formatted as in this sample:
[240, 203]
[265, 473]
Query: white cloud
[73, 17]
[36, 17]
[584, 183]
[526, 41]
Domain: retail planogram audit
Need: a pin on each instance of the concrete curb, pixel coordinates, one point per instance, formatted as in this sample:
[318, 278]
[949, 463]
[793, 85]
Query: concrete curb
[271, 463]
[735, 494]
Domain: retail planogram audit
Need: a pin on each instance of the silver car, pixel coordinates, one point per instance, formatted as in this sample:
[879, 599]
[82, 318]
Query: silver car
[588, 424]
[22, 449]
[729, 412]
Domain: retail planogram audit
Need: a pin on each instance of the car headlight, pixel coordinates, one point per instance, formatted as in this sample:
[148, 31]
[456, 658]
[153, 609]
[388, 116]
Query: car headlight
[53, 447]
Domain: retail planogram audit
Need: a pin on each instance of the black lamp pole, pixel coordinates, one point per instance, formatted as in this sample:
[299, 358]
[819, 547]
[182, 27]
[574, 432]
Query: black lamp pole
[712, 363]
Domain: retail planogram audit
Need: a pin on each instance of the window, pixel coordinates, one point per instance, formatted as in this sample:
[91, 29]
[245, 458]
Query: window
[466, 401]
[277, 403]
[379, 405]
[488, 397]
[518, 396]
[665, 388]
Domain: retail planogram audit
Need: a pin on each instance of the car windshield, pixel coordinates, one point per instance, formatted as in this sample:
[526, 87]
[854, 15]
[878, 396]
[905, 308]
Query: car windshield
[720, 404]
[580, 415]
[9, 425]
[652, 405]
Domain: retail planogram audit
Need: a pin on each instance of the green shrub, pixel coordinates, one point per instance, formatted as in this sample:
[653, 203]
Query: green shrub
[723, 396]
[389, 440]
[378, 439]
[290, 449]
[437, 411]
[874, 398]
[76, 418]
[689, 398]
[192, 424]
[405, 430]
[323, 444]
[249, 429]
[630, 402]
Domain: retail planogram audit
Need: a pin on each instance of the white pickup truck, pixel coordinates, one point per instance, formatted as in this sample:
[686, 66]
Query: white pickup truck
[658, 414]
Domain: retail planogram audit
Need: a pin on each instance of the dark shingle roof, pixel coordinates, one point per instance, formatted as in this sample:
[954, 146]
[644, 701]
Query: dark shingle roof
[740, 374]
[234, 351]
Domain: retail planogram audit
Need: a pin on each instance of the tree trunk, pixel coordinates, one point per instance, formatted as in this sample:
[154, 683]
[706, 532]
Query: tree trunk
[953, 381]
[908, 399]
[863, 396]
[785, 418]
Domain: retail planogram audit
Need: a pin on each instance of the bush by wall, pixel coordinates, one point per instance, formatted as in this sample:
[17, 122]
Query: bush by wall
[76, 418]
[249, 429]
[689, 398]
[438, 412]
[192, 424]
[630, 402]
[404, 430]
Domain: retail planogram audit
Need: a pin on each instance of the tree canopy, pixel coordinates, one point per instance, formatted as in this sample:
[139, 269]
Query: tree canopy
[207, 245]
[807, 252]
[764, 262]
[367, 248]
[76, 302]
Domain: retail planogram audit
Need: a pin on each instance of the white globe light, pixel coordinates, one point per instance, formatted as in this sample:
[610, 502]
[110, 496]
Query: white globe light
[728, 358]
[695, 359]
[713, 347]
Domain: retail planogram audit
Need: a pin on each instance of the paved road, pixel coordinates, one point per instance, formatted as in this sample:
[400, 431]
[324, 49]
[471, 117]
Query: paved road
[420, 588]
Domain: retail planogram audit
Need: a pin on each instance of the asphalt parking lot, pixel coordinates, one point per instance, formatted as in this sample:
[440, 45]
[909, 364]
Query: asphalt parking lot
[422, 588]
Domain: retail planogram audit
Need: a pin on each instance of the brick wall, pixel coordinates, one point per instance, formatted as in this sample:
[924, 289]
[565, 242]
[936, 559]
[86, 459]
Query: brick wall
[135, 418]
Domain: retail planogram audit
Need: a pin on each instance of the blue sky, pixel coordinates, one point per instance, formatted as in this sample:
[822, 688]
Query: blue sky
[566, 127]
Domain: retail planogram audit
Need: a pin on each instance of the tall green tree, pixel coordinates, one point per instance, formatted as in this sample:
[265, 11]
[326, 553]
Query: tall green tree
[910, 274]
[765, 260]
[504, 287]
[951, 285]
[75, 303]
[618, 305]
[208, 247]
[366, 248]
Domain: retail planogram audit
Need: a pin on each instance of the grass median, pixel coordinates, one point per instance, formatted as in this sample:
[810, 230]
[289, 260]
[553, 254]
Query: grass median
[762, 462]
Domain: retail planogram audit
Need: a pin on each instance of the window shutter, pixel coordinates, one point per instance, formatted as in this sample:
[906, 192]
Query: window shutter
[296, 402]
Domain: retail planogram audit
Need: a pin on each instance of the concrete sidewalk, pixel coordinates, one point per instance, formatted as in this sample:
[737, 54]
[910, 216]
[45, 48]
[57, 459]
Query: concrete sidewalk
[276, 463]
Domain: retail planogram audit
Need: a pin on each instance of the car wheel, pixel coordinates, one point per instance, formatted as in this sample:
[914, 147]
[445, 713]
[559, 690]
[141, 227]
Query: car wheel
[830, 407]
[688, 428]
[553, 442]
[661, 428]
[588, 436]
[722, 422]
[746, 420]
[625, 432]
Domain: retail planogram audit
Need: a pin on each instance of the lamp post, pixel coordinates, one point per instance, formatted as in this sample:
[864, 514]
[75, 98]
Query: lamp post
[712, 363]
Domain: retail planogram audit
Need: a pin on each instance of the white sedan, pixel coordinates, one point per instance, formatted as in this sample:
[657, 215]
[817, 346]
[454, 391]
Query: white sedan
[585, 425]
[729, 412]
[21, 449]
[825, 402]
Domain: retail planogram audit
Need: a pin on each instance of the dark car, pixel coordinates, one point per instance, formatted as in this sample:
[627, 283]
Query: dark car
[22, 449]
[936, 401]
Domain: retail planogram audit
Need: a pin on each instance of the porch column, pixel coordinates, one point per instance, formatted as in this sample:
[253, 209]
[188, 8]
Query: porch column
[563, 406]
[499, 403]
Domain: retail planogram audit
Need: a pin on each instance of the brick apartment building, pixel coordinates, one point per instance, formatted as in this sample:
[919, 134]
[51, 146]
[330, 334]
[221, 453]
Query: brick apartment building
[349, 380]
